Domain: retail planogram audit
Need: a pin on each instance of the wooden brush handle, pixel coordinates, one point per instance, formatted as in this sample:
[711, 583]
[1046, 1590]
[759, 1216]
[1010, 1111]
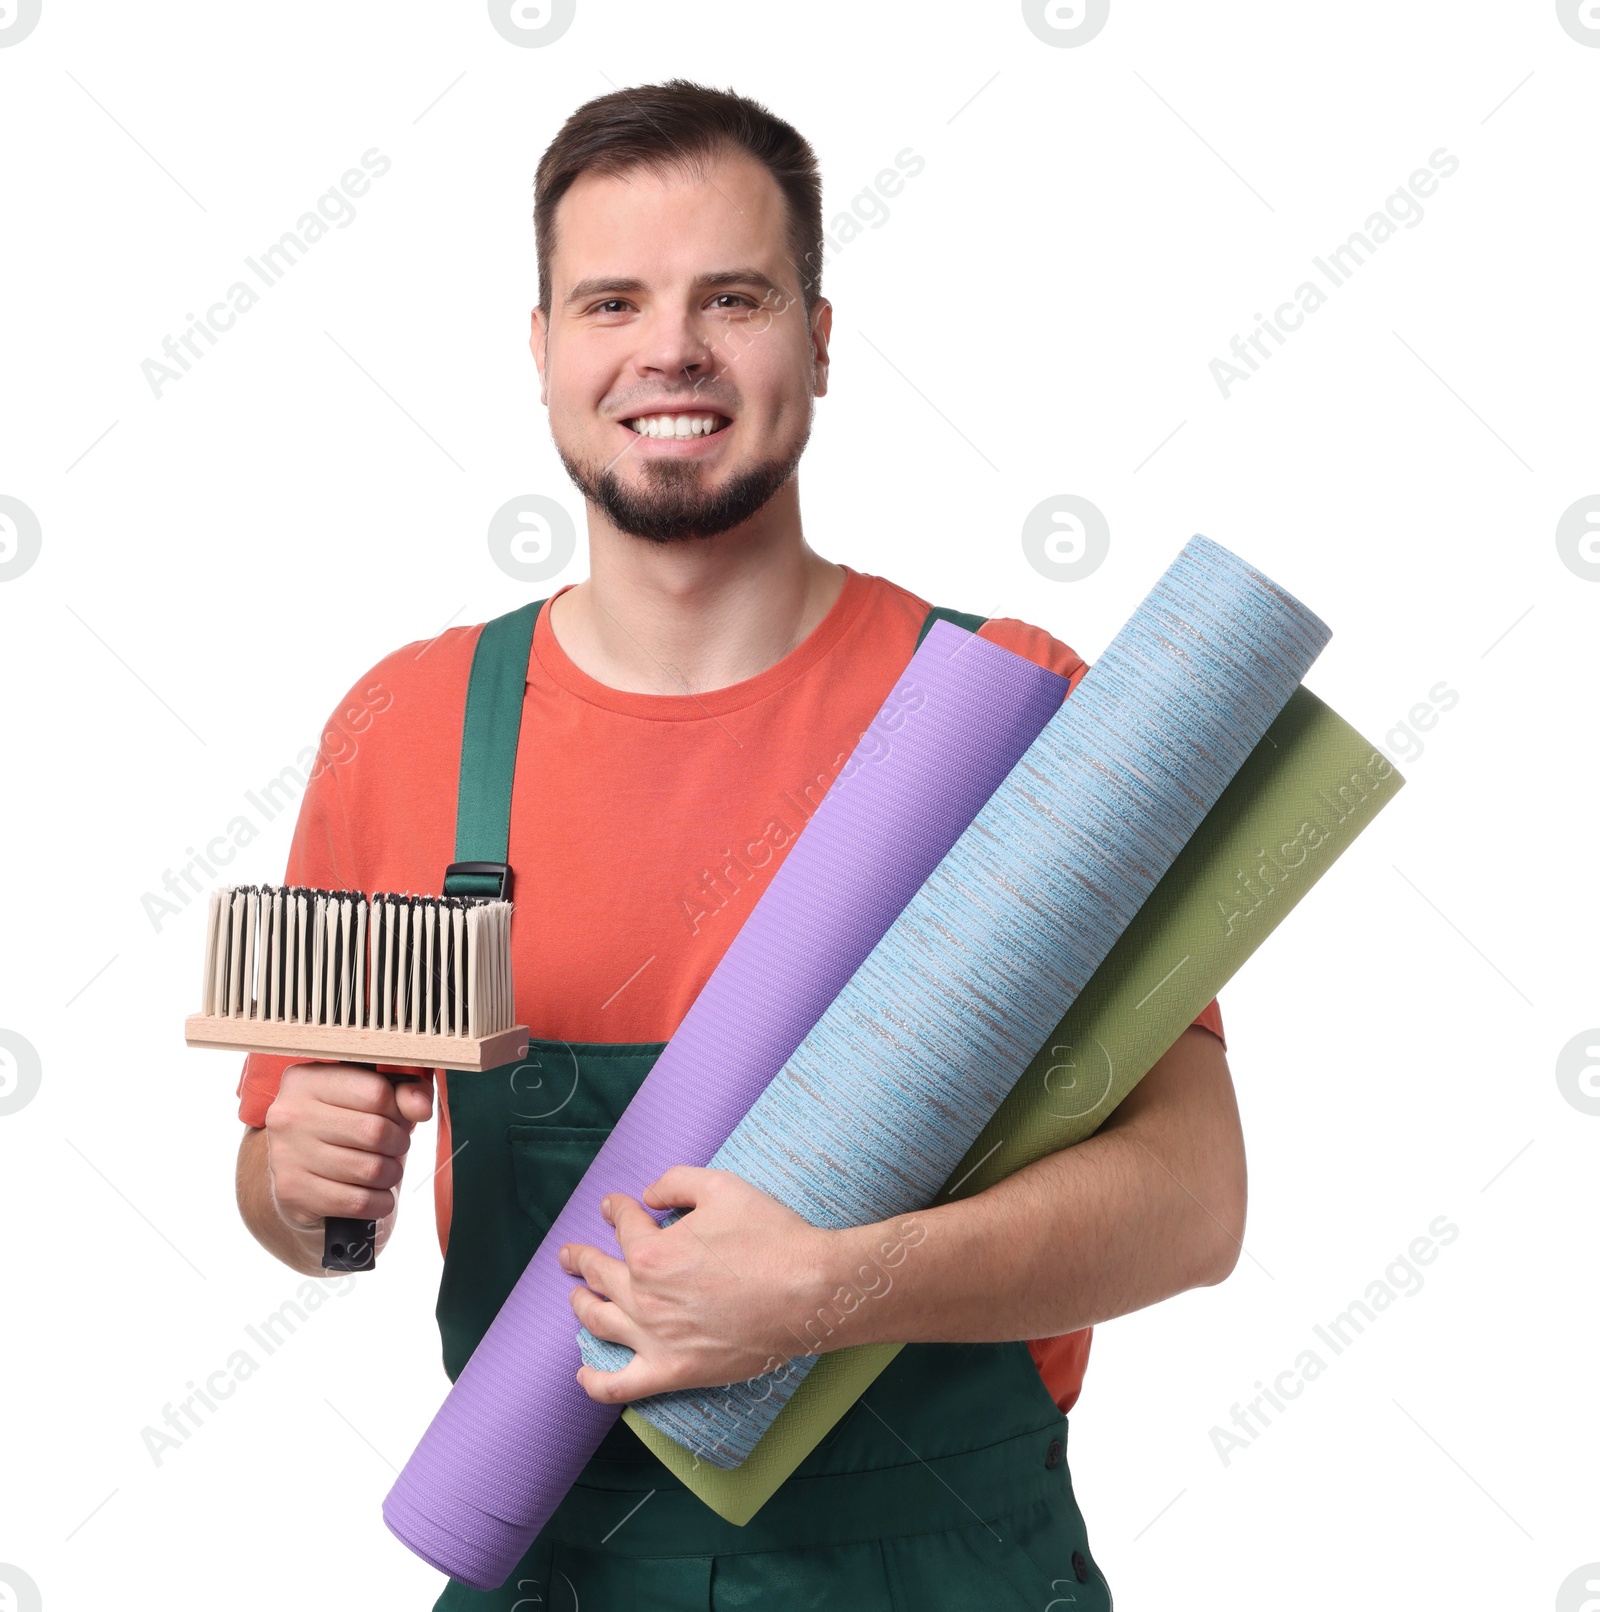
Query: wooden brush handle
[351, 1245]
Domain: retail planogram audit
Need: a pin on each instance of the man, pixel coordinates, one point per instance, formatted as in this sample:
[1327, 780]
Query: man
[685, 709]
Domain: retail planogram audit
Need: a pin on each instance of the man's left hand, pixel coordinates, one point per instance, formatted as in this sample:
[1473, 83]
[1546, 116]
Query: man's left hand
[719, 1296]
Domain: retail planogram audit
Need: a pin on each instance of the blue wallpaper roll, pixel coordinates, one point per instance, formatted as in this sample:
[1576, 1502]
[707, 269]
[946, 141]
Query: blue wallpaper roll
[892, 1084]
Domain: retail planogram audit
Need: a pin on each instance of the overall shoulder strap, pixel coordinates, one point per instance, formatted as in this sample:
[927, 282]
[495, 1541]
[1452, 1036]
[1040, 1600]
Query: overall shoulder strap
[489, 755]
[489, 736]
[958, 617]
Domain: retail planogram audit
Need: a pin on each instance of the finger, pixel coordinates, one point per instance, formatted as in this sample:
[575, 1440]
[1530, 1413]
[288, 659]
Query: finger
[415, 1104]
[302, 1199]
[629, 1220]
[320, 1181]
[355, 1203]
[601, 1272]
[632, 1381]
[639, 1379]
[414, 1099]
[681, 1187]
[605, 1318]
[351, 1166]
[346, 1086]
[359, 1129]
[643, 1376]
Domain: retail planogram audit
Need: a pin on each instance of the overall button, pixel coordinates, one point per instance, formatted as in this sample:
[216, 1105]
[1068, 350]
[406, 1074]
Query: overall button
[1080, 1567]
[1052, 1456]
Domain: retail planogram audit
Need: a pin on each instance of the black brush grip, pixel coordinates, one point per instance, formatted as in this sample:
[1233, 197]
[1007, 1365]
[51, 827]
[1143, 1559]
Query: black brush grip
[348, 1245]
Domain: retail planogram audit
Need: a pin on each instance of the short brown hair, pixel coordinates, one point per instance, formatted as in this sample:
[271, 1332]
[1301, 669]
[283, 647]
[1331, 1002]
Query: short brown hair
[681, 125]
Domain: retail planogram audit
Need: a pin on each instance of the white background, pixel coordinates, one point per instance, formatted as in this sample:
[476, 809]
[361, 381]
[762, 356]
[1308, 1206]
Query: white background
[1036, 316]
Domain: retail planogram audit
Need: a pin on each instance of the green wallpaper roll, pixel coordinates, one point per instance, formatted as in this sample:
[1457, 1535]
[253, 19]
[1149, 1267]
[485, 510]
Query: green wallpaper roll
[1306, 791]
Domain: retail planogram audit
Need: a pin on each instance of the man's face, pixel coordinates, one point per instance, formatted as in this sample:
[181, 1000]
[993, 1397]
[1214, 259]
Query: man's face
[677, 361]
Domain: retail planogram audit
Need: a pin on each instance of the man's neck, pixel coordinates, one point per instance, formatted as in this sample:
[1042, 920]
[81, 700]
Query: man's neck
[697, 615]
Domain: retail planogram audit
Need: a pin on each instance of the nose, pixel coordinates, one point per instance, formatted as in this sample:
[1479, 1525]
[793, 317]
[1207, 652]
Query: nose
[673, 343]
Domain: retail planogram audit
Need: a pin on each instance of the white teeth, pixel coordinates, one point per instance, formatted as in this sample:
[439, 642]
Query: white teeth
[676, 425]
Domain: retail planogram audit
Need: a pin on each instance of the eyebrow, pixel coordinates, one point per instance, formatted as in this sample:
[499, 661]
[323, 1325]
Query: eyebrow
[614, 285]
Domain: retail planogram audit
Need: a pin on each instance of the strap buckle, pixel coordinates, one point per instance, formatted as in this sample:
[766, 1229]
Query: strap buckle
[492, 879]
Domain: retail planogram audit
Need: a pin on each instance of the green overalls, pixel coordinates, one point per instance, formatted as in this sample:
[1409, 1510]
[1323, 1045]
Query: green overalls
[946, 1485]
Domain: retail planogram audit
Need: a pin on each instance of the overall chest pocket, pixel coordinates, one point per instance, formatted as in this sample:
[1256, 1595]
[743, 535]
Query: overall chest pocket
[547, 1164]
[559, 1106]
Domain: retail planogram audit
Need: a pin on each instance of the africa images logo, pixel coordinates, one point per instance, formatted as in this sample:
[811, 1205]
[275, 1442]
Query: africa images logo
[21, 1074]
[18, 19]
[1581, 19]
[1065, 23]
[532, 23]
[20, 539]
[18, 1592]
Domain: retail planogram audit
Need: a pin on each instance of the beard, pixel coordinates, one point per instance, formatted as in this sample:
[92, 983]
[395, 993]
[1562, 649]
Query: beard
[671, 505]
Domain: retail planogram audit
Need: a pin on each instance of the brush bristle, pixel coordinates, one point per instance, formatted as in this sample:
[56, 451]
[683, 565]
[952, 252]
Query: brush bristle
[432, 965]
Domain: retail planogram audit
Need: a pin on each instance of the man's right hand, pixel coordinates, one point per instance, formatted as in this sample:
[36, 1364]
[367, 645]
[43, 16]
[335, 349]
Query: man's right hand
[337, 1136]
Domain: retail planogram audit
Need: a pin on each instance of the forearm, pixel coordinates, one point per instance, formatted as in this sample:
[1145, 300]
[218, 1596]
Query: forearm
[1086, 1234]
[1151, 1205]
[298, 1248]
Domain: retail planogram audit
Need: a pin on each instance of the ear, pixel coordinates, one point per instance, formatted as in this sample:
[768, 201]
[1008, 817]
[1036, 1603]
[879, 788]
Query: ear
[537, 339]
[821, 331]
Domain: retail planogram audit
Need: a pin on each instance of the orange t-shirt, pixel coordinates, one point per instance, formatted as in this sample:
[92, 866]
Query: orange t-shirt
[644, 826]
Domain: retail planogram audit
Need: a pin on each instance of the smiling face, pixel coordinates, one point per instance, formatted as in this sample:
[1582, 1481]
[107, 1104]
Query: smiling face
[677, 361]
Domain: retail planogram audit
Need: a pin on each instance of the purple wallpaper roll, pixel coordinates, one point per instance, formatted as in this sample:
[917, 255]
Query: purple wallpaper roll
[516, 1429]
